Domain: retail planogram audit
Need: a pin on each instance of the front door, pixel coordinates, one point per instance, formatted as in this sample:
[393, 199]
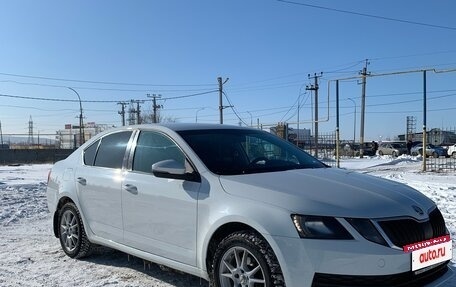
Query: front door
[159, 214]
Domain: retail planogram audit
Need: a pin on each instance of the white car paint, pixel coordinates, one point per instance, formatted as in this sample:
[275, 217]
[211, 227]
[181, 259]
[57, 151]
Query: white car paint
[171, 221]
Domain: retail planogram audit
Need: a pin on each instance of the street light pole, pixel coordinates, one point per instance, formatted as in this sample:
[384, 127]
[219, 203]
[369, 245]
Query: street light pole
[81, 124]
[354, 120]
[196, 117]
[251, 119]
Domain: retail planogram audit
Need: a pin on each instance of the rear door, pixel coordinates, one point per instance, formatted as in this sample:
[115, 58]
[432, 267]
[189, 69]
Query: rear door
[99, 185]
[159, 214]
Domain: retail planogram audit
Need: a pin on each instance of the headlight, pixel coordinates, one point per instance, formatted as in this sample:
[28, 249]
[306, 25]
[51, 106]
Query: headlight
[319, 227]
[367, 230]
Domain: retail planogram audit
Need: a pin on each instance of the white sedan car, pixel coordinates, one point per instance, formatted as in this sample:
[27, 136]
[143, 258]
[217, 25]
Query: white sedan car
[241, 207]
[452, 151]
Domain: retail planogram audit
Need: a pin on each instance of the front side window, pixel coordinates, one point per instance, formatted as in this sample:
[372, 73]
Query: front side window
[231, 152]
[153, 147]
[112, 150]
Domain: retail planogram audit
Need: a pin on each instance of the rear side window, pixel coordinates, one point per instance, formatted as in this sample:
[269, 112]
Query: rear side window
[112, 150]
[90, 152]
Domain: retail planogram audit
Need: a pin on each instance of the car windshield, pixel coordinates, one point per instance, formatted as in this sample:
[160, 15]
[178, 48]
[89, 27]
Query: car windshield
[236, 151]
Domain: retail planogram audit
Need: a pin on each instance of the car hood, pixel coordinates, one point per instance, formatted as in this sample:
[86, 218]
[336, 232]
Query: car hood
[330, 192]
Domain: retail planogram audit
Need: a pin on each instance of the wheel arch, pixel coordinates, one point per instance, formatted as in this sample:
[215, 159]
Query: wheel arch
[278, 222]
[219, 234]
[62, 201]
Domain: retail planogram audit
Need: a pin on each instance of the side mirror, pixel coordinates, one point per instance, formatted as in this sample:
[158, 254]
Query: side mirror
[173, 169]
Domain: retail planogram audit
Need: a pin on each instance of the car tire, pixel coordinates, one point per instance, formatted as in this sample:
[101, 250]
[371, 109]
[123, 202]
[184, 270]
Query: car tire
[72, 235]
[394, 154]
[380, 153]
[454, 154]
[435, 155]
[242, 257]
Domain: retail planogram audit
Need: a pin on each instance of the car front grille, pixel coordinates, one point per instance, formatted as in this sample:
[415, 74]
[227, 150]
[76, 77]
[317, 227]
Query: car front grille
[396, 280]
[402, 232]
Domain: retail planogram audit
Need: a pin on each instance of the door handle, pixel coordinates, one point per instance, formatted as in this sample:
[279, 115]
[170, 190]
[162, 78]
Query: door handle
[131, 188]
[82, 180]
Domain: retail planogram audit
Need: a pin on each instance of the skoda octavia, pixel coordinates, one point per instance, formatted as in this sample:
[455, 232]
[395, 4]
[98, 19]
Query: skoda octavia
[242, 207]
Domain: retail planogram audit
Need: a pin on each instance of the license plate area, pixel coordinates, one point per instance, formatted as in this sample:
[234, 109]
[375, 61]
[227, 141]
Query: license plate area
[431, 255]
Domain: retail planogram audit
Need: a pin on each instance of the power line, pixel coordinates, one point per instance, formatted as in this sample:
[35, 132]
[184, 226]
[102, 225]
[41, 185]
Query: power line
[232, 108]
[106, 83]
[99, 89]
[97, 101]
[368, 15]
[343, 67]
[414, 55]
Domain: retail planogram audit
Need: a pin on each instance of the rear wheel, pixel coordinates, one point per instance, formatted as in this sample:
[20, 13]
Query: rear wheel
[394, 154]
[435, 155]
[245, 259]
[454, 154]
[72, 235]
[380, 153]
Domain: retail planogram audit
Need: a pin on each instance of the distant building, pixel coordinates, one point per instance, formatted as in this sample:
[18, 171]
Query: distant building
[68, 138]
[434, 136]
[299, 137]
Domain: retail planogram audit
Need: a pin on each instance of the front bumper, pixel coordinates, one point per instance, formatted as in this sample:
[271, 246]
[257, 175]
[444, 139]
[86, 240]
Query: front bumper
[307, 262]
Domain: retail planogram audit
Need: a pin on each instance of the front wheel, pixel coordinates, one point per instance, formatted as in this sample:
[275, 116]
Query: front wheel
[72, 235]
[245, 259]
[454, 154]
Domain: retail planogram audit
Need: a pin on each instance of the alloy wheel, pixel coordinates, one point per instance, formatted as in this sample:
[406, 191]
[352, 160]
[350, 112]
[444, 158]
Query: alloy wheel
[69, 230]
[239, 267]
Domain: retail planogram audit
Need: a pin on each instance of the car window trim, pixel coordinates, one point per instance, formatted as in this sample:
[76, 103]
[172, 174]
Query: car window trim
[100, 139]
[132, 149]
[96, 152]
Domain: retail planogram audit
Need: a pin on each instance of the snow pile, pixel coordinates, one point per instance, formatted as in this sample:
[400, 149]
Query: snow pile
[31, 256]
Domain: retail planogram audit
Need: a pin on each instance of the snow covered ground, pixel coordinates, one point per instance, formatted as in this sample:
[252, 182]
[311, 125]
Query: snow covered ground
[31, 256]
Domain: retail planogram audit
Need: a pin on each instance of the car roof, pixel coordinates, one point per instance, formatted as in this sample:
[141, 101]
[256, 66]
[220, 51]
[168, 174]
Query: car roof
[176, 127]
[190, 126]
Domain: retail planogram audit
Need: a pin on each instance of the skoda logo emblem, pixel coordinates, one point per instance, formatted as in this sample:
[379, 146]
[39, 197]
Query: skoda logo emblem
[418, 210]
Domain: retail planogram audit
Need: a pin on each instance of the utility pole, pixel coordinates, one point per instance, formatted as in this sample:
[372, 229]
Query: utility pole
[363, 109]
[424, 120]
[122, 111]
[315, 88]
[155, 107]
[1, 136]
[221, 107]
[30, 131]
[131, 114]
[138, 112]
[337, 126]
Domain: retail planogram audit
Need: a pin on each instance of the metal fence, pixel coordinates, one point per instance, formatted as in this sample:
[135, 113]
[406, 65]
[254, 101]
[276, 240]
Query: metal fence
[443, 161]
[325, 150]
[438, 160]
[441, 164]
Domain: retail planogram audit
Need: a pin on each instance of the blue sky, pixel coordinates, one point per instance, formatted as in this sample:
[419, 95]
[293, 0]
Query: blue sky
[122, 50]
